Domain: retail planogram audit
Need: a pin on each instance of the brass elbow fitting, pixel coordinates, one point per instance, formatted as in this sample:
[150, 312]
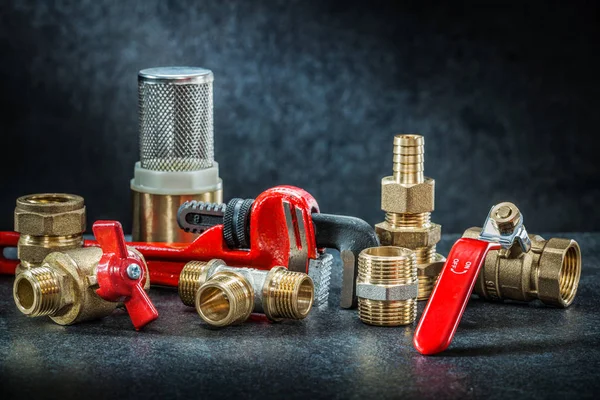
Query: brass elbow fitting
[63, 288]
[226, 295]
[48, 222]
[550, 271]
[387, 286]
[407, 197]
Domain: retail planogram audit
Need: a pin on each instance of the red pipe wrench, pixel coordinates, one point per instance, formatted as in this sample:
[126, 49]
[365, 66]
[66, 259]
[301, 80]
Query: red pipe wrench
[281, 234]
[503, 227]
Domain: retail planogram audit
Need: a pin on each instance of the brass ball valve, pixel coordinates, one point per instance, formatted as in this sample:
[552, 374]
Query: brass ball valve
[88, 283]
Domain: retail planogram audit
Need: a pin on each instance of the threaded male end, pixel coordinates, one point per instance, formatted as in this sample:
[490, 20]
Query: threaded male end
[387, 286]
[287, 294]
[225, 299]
[37, 292]
[190, 281]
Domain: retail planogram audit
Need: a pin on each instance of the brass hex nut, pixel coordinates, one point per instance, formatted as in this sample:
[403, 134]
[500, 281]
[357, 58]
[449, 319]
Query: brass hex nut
[505, 217]
[407, 198]
[410, 238]
[50, 214]
[433, 268]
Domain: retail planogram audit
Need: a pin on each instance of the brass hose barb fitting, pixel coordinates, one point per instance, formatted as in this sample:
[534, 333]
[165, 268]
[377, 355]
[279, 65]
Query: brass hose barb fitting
[387, 286]
[63, 288]
[48, 222]
[549, 271]
[226, 295]
[407, 197]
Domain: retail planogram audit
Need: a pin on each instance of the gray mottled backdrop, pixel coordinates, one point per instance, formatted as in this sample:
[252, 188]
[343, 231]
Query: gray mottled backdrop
[310, 93]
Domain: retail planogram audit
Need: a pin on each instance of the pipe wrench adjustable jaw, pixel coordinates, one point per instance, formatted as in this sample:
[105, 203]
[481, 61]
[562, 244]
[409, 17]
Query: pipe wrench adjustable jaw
[502, 229]
[273, 230]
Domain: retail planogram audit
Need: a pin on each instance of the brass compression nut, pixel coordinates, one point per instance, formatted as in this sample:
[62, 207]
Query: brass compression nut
[387, 286]
[48, 222]
[407, 197]
[226, 295]
[549, 271]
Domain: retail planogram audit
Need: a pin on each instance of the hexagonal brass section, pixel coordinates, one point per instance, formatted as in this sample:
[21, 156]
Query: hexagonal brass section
[410, 238]
[433, 268]
[407, 198]
[50, 214]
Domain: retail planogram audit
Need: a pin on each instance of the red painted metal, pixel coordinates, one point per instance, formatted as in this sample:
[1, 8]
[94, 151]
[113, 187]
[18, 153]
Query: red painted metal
[7, 265]
[111, 272]
[450, 296]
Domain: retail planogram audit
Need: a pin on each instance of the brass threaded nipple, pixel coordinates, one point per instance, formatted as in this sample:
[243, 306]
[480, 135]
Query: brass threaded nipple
[189, 281]
[225, 299]
[287, 294]
[394, 270]
[409, 158]
[37, 292]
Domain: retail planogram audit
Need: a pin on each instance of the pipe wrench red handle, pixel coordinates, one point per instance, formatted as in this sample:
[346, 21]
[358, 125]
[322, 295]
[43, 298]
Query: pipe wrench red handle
[451, 295]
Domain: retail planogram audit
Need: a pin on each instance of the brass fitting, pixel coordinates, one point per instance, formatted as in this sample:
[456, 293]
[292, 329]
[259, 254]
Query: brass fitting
[226, 295]
[550, 271]
[387, 286]
[63, 288]
[48, 222]
[407, 197]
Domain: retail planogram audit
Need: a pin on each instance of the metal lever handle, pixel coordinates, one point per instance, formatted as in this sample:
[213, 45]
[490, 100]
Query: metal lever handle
[442, 314]
[121, 274]
[450, 296]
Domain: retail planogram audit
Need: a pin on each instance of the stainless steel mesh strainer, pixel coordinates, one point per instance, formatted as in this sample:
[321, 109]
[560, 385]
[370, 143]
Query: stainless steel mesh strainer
[176, 118]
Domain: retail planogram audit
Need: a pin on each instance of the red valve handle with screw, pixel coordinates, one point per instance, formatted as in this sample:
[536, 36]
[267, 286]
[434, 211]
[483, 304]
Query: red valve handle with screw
[121, 274]
[442, 314]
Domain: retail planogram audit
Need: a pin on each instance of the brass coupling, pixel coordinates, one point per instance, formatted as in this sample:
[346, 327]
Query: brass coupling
[387, 286]
[408, 198]
[549, 271]
[46, 223]
[63, 288]
[225, 295]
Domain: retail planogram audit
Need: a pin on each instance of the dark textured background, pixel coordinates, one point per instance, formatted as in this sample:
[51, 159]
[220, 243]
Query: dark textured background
[311, 93]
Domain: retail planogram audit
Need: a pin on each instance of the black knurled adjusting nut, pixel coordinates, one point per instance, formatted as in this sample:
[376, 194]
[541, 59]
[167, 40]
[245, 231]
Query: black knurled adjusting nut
[236, 223]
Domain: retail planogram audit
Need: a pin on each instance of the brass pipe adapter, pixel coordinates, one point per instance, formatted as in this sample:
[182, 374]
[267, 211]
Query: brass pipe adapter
[48, 222]
[407, 197]
[549, 271]
[226, 295]
[387, 286]
[64, 287]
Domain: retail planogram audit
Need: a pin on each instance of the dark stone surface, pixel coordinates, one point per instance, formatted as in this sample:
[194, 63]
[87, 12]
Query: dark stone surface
[501, 351]
[310, 93]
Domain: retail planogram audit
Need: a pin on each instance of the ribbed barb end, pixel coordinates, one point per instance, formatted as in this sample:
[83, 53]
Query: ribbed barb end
[409, 158]
[225, 299]
[389, 276]
[287, 294]
[189, 282]
[37, 292]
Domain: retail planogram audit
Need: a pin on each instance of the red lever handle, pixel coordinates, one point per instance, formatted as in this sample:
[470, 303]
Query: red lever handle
[450, 296]
[121, 274]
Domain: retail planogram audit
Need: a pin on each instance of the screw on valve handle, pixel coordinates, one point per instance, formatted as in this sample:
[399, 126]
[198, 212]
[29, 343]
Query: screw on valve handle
[121, 274]
[503, 227]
